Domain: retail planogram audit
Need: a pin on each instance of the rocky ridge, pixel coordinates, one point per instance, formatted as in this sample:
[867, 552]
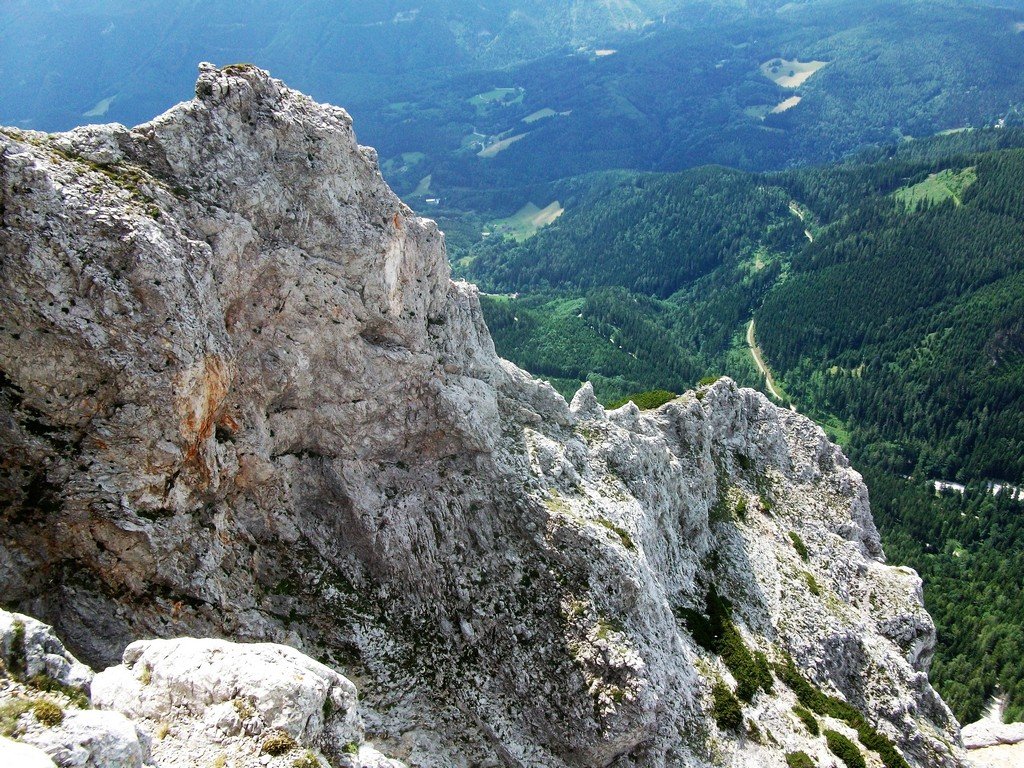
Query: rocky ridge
[241, 397]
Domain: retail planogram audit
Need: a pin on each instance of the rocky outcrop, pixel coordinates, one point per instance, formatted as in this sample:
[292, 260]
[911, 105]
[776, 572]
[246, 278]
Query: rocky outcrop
[991, 743]
[241, 397]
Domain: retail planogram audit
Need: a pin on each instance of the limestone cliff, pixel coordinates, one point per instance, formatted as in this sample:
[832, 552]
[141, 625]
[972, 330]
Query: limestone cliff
[241, 397]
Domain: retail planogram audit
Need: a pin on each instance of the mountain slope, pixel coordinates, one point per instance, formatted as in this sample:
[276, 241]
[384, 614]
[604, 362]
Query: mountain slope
[242, 397]
[909, 322]
[896, 328]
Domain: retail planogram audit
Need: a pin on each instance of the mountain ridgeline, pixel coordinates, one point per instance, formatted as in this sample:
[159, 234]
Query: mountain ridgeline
[888, 295]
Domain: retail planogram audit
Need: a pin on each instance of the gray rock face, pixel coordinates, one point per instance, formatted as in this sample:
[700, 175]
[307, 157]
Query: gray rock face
[242, 397]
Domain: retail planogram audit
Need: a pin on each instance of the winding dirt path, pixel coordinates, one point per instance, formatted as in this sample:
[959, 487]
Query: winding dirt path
[795, 210]
[755, 352]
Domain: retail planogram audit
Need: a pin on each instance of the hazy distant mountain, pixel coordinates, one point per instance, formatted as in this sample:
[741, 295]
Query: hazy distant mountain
[64, 63]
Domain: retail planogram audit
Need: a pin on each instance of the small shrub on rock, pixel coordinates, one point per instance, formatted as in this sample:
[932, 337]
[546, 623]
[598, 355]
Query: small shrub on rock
[244, 708]
[741, 508]
[844, 749]
[750, 670]
[810, 721]
[278, 743]
[45, 683]
[799, 546]
[48, 713]
[717, 633]
[799, 760]
[308, 760]
[16, 661]
[10, 712]
[812, 584]
[725, 708]
[645, 401]
[815, 700]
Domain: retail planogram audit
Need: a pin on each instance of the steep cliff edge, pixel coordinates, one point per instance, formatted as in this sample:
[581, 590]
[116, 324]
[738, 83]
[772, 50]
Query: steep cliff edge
[242, 397]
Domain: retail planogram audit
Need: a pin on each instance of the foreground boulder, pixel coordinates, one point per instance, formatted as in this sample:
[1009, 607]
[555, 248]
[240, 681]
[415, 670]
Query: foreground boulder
[243, 398]
[14, 753]
[185, 702]
[89, 739]
[45, 706]
[210, 698]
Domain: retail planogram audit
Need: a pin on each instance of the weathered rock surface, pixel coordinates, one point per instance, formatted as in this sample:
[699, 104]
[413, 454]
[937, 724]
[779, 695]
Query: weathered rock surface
[998, 756]
[242, 397]
[189, 702]
[989, 733]
[89, 739]
[218, 697]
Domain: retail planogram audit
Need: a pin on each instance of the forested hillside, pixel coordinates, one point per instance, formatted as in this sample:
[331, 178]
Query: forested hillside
[907, 320]
[899, 327]
[643, 284]
[651, 234]
[848, 75]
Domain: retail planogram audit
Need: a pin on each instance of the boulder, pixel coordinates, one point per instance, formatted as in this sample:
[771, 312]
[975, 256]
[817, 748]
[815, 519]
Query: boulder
[196, 693]
[18, 755]
[90, 739]
[30, 648]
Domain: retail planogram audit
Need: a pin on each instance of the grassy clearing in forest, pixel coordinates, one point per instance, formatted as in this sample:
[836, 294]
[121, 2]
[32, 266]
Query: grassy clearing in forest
[938, 188]
[540, 114]
[789, 103]
[790, 73]
[525, 223]
[500, 146]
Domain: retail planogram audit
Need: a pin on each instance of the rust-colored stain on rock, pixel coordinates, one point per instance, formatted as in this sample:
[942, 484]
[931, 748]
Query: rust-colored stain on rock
[199, 397]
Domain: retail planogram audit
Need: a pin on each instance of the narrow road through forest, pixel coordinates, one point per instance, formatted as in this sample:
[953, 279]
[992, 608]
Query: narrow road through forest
[755, 352]
[795, 210]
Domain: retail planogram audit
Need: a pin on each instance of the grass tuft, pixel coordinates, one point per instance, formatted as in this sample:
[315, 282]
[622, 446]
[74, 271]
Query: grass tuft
[48, 713]
[278, 743]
